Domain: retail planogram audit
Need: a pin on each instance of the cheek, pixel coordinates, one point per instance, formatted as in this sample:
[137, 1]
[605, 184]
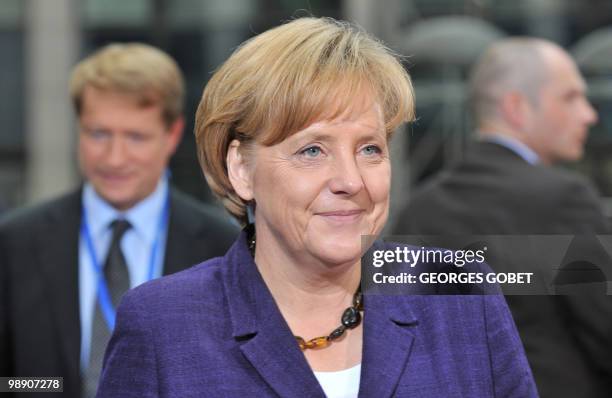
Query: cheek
[150, 154]
[378, 184]
[286, 197]
[285, 188]
[88, 154]
[560, 119]
[562, 129]
[168, 146]
[306, 188]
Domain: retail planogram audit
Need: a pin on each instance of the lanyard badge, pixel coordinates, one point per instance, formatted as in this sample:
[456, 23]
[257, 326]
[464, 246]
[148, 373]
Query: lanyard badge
[104, 299]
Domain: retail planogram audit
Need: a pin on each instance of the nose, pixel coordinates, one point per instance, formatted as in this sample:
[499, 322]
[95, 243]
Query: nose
[347, 178]
[116, 152]
[590, 114]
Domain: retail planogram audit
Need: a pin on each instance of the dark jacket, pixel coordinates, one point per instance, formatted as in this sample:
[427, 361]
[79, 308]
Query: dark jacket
[568, 339]
[39, 296]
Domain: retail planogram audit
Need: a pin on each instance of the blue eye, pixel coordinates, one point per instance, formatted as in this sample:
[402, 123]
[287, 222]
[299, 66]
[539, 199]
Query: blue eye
[371, 150]
[312, 151]
[98, 134]
[137, 137]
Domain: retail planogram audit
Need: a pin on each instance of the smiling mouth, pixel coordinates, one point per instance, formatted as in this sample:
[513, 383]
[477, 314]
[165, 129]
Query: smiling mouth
[342, 215]
[113, 177]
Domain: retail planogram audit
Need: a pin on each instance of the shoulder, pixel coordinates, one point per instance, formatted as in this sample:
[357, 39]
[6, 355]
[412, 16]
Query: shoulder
[572, 183]
[501, 167]
[512, 178]
[565, 190]
[192, 303]
[477, 328]
[189, 210]
[196, 286]
[476, 312]
[557, 176]
[466, 320]
[27, 219]
[159, 331]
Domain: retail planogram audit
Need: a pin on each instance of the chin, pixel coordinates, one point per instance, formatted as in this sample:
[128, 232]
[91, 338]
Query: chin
[333, 253]
[117, 201]
[572, 157]
[340, 245]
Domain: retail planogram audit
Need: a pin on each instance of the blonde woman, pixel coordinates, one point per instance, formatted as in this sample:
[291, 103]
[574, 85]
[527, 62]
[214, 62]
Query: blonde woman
[293, 133]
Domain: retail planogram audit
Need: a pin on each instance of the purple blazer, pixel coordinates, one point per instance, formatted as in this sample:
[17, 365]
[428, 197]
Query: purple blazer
[215, 331]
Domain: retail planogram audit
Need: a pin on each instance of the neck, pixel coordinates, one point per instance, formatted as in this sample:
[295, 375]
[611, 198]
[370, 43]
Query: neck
[312, 296]
[503, 131]
[489, 129]
[302, 284]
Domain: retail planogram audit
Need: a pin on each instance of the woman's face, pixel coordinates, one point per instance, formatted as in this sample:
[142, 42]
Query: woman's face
[320, 189]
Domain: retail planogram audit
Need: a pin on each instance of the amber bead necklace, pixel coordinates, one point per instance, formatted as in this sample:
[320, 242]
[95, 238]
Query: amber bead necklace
[350, 319]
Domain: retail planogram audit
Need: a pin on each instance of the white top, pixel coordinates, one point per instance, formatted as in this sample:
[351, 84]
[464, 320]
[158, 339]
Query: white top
[341, 384]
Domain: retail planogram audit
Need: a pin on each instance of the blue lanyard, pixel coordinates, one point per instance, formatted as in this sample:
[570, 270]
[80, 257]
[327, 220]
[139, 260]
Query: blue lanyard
[106, 304]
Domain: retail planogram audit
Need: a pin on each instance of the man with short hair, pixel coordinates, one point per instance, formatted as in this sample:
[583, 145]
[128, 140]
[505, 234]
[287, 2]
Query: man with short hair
[531, 112]
[65, 264]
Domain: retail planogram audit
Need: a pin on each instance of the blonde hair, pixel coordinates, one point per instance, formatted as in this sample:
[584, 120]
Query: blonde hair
[286, 78]
[148, 74]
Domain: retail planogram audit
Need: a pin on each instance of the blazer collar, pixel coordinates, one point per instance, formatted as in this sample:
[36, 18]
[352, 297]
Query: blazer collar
[516, 146]
[266, 340]
[485, 151]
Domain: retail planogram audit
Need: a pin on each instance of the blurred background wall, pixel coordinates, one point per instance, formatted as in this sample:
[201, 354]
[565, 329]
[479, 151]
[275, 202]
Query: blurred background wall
[40, 41]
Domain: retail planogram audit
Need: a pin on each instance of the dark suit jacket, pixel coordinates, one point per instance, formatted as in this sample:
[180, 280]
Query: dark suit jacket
[493, 191]
[39, 297]
[216, 331]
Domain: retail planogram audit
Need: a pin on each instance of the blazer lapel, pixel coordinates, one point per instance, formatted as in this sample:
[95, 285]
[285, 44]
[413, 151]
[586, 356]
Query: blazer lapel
[267, 343]
[388, 337]
[275, 355]
[266, 340]
[59, 265]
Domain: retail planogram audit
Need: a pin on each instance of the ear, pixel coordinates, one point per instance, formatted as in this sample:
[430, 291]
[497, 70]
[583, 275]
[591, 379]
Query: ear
[239, 171]
[516, 110]
[175, 133]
